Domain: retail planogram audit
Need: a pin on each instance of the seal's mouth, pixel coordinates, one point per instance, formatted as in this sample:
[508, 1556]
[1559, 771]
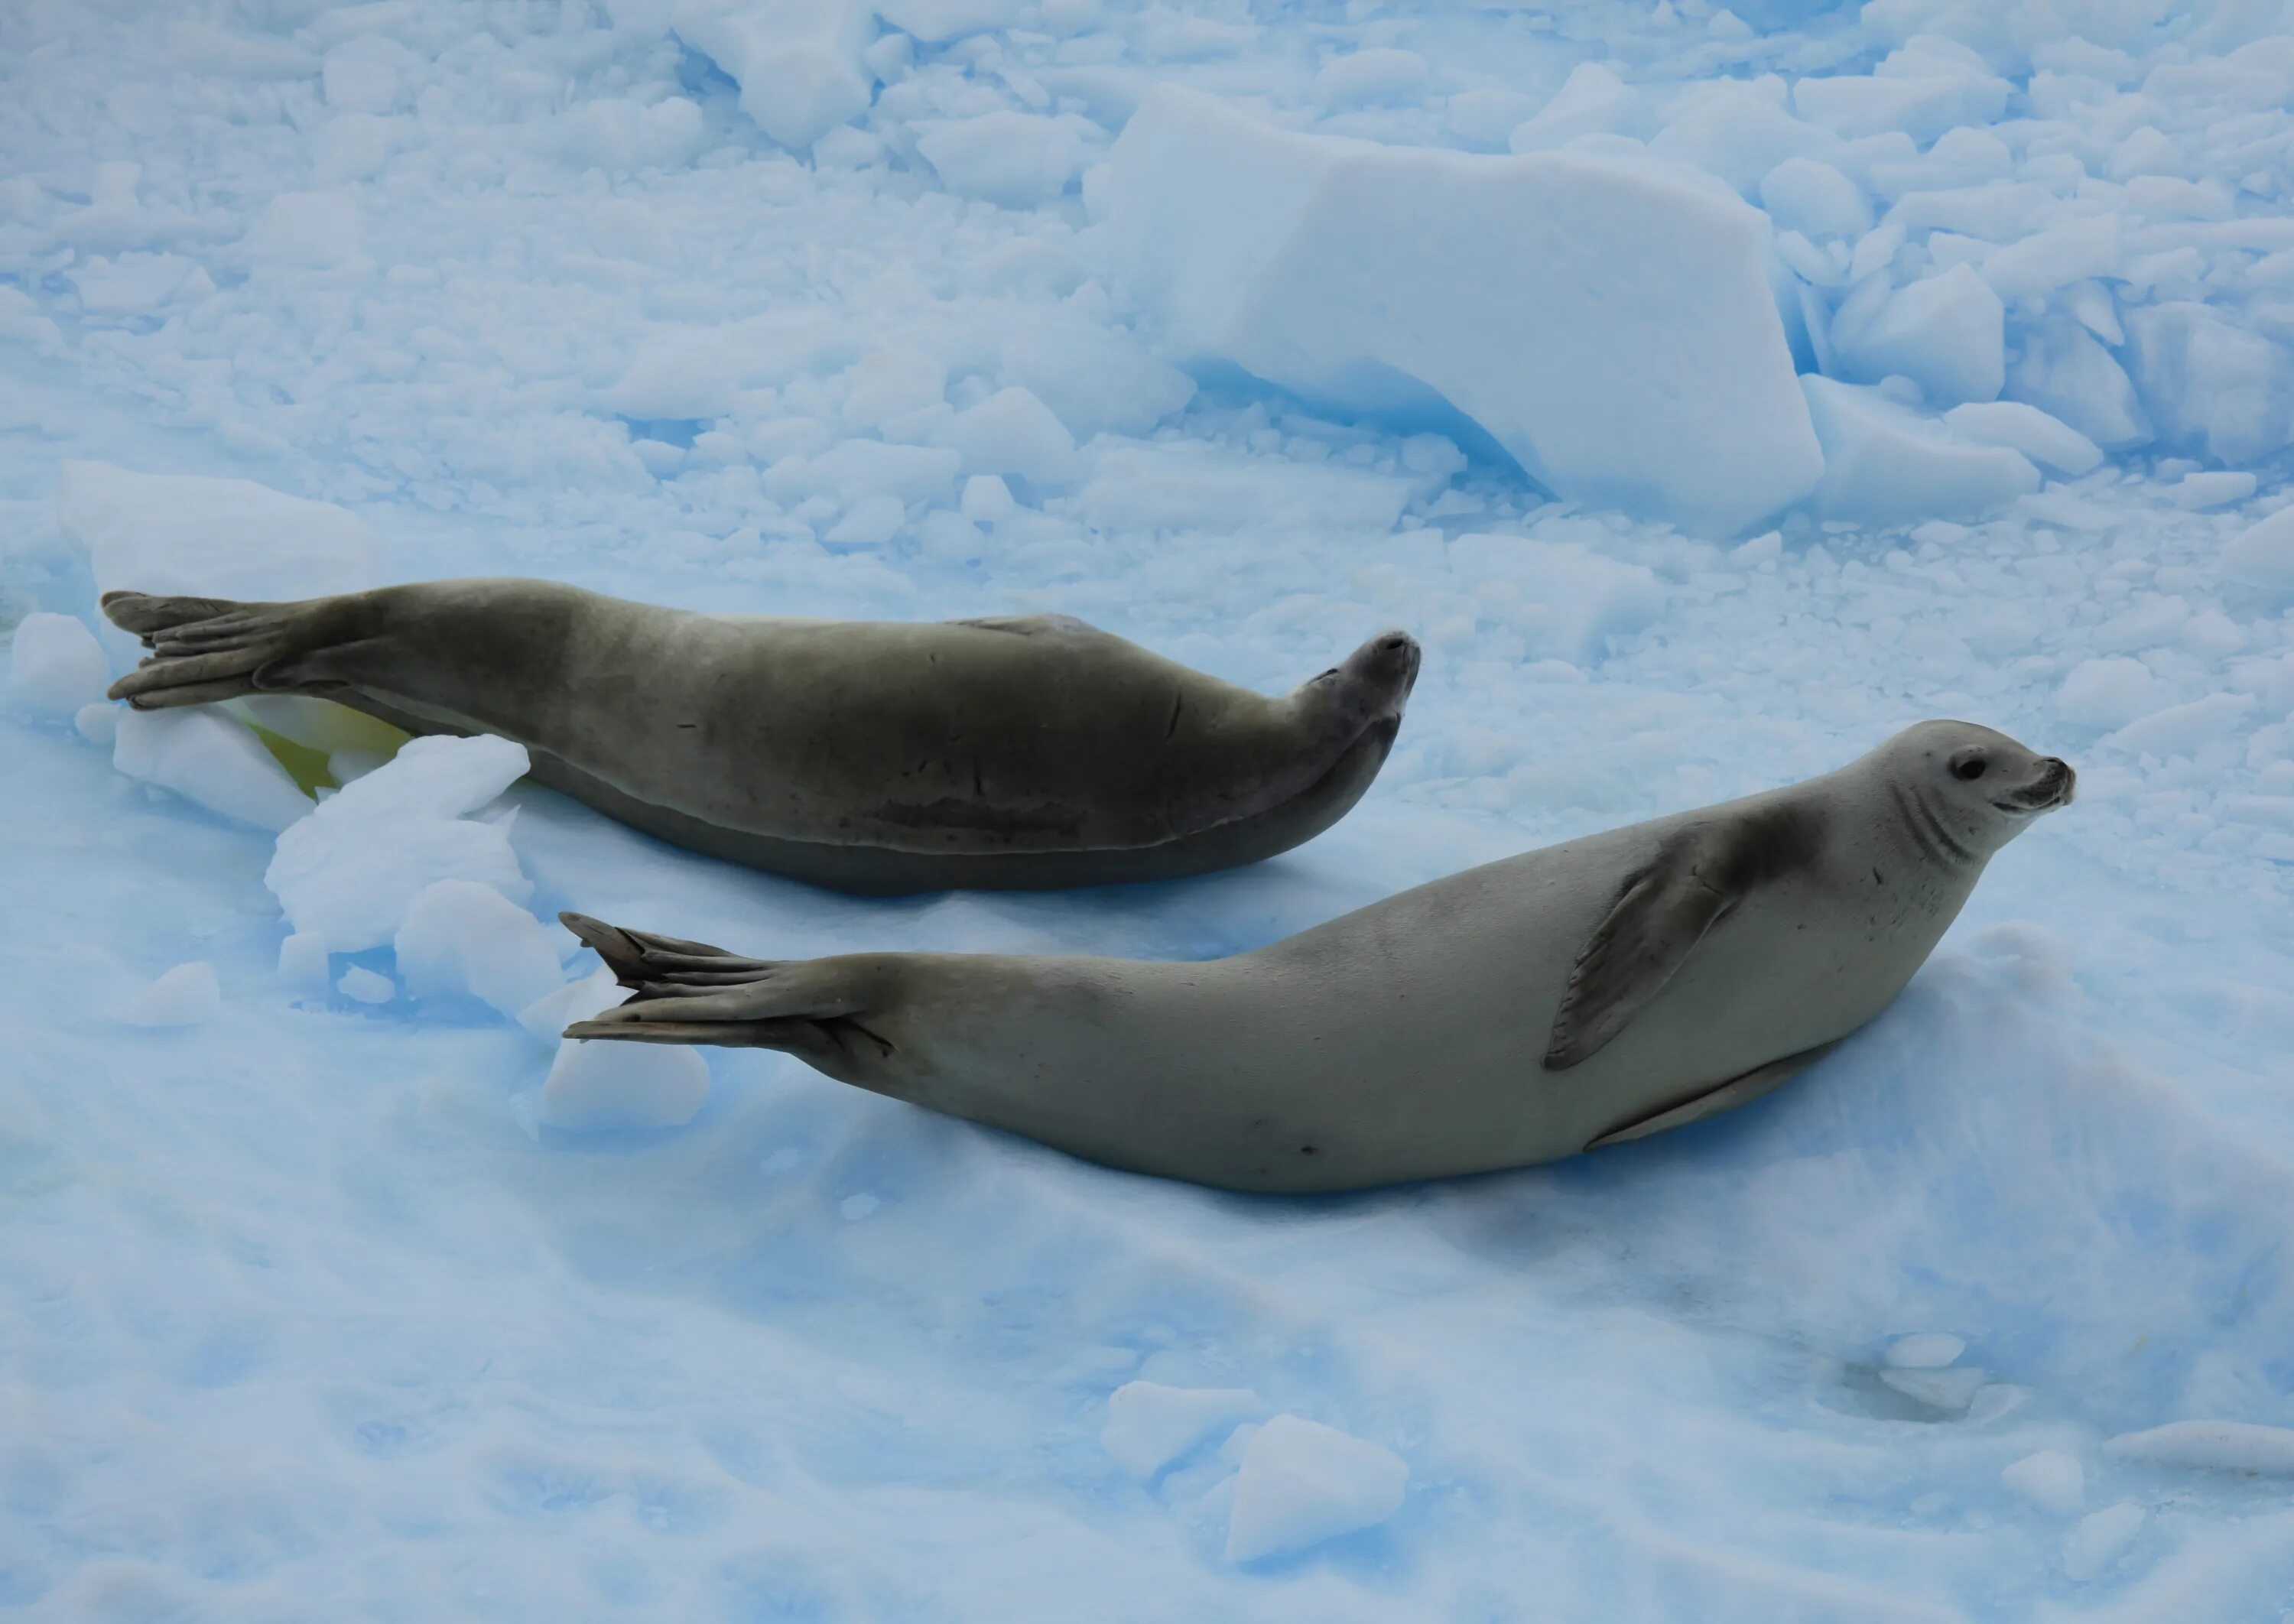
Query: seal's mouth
[2052, 788]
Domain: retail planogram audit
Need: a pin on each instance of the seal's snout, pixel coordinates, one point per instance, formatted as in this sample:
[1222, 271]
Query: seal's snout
[1387, 665]
[2052, 787]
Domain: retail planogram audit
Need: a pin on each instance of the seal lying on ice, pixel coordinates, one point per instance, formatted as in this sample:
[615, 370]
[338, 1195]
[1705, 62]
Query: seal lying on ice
[1592, 991]
[869, 756]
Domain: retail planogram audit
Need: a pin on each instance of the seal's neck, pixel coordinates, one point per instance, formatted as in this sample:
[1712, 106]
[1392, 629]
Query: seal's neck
[1936, 833]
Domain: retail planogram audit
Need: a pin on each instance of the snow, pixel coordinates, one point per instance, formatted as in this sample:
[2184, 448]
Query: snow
[303, 963]
[1302, 1484]
[1810, 197]
[1951, 1391]
[800, 63]
[2065, 372]
[936, 21]
[363, 1297]
[1380, 74]
[2046, 440]
[600, 1088]
[462, 937]
[1565, 600]
[2262, 554]
[1554, 298]
[889, 385]
[1945, 333]
[1925, 1351]
[185, 996]
[351, 868]
[987, 499]
[55, 666]
[2050, 1479]
[2218, 1446]
[2216, 488]
[1920, 105]
[1592, 100]
[2099, 1540]
[1888, 463]
[209, 760]
[2109, 691]
[1150, 1426]
[1012, 158]
[870, 522]
[165, 533]
[367, 986]
[1011, 432]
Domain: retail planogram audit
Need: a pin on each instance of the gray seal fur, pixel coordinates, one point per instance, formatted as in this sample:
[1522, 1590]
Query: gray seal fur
[869, 756]
[1575, 996]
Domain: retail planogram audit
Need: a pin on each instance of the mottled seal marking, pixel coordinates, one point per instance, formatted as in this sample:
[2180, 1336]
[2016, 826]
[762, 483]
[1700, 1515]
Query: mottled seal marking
[1589, 992]
[869, 756]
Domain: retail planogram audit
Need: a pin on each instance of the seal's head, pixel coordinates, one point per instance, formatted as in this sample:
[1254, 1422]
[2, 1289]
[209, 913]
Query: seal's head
[1362, 697]
[1965, 791]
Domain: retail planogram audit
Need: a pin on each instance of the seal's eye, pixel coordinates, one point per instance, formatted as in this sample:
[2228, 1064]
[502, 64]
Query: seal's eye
[1970, 769]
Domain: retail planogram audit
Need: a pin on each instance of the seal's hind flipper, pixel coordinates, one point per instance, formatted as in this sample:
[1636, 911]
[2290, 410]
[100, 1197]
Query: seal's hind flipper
[685, 983]
[1664, 912]
[1735, 1092]
[691, 993]
[203, 649]
[639, 958]
[146, 615]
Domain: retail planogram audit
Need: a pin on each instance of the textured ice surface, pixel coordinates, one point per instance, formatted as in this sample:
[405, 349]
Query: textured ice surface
[314, 1308]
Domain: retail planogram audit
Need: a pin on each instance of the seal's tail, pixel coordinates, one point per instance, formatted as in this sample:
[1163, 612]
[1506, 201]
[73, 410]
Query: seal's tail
[203, 649]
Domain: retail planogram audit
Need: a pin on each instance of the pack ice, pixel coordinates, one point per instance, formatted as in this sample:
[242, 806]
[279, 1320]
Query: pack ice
[1607, 320]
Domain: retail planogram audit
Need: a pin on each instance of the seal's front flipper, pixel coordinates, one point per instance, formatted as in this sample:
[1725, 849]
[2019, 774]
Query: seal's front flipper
[1735, 1092]
[1664, 912]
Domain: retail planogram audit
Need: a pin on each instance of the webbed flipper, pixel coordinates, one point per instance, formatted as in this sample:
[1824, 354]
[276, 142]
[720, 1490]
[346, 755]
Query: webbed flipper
[691, 993]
